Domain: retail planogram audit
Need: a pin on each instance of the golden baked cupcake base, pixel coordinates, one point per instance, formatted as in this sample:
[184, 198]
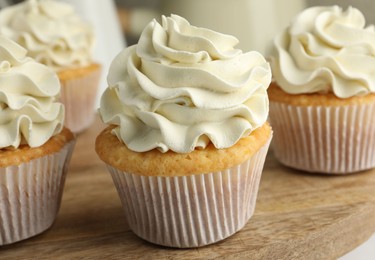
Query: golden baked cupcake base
[24, 153]
[194, 206]
[155, 163]
[322, 133]
[31, 188]
[79, 88]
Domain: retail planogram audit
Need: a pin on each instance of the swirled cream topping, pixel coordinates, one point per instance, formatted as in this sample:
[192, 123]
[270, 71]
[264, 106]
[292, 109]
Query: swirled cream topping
[51, 31]
[182, 87]
[29, 112]
[326, 49]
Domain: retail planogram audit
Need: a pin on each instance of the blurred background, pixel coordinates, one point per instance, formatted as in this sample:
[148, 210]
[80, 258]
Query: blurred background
[253, 22]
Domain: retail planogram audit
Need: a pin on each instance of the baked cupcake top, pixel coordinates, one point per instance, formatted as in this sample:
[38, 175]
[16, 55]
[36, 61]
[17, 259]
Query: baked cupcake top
[182, 87]
[51, 31]
[29, 112]
[326, 50]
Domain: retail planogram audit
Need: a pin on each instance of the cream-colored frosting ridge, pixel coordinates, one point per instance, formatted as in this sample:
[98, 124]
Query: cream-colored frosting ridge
[51, 31]
[326, 49]
[182, 87]
[29, 112]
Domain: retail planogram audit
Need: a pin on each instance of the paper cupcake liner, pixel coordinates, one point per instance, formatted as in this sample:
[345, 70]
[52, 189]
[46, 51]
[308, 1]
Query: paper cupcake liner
[190, 211]
[30, 195]
[79, 96]
[337, 139]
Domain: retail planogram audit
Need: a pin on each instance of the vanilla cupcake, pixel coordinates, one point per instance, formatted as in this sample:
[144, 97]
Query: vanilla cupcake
[35, 149]
[322, 100]
[188, 134]
[56, 36]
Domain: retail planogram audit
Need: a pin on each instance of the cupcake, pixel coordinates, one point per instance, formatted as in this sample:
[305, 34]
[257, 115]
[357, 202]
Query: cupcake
[54, 35]
[187, 135]
[35, 148]
[322, 98]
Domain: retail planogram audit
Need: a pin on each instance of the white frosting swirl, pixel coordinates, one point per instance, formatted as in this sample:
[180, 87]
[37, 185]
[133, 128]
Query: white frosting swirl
[326, 50]
[51, 31]
[182, 87]
[28, 91]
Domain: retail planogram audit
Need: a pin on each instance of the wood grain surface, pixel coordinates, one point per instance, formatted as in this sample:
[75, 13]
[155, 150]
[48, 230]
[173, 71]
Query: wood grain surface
[298, 216]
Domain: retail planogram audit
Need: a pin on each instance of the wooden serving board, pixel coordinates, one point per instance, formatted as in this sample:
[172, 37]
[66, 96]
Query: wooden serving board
[298, 216]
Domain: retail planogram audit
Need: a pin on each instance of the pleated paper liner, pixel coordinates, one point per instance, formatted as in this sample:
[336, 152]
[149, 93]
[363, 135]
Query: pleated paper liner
[190, 211]
[30, 195]
[79, 97]
[334, 140]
